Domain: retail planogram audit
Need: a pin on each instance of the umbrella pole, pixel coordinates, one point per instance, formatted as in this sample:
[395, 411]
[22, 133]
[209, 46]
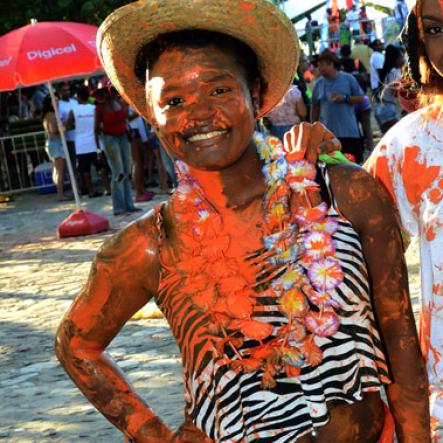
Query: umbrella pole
[65, 147]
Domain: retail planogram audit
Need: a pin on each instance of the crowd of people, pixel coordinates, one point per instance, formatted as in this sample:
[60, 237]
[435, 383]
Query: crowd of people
[343, 89]
[342, 25]
[103, 133]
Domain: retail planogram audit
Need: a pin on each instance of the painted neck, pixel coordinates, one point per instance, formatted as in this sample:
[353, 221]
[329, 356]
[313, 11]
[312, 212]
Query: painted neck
[234, 187]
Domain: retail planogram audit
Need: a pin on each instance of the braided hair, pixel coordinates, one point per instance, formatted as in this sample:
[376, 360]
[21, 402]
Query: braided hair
[414, 47]
[420, 78]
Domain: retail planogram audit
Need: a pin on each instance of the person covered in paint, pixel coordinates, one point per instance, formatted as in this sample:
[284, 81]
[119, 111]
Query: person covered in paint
[409, 163]
[269, 272]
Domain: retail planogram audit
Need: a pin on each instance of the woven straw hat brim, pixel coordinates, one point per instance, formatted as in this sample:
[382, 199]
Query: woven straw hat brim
[258, 23]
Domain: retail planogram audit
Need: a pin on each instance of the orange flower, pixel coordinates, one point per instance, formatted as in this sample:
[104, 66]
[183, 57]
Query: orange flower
[240, 306]
[204, 299]
[232, 284]
[253, 329]
[214, 249]
[312, 352]
[268, 381]
[195, 284]
[294, 302]
[292, 371]
[246, 364]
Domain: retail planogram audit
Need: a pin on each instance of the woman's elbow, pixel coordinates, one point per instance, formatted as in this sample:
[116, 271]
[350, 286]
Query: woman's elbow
[61, 345]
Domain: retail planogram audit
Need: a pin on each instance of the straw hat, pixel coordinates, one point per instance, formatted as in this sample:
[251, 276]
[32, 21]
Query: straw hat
[258, 23]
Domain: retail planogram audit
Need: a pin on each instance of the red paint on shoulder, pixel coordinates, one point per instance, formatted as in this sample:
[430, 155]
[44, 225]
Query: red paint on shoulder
[380, 170]
[417, 177]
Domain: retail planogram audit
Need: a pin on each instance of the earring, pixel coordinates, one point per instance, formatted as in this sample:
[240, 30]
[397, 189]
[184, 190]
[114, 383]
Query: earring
[256, 108]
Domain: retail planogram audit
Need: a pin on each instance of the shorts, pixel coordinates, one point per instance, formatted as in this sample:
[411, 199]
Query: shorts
[385, 112]
[84, 162]
[54, 148]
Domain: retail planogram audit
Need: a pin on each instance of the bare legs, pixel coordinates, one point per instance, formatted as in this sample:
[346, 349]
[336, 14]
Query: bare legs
[58, 172]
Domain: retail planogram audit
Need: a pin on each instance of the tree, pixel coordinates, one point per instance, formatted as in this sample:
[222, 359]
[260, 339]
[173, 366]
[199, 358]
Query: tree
[18, 13]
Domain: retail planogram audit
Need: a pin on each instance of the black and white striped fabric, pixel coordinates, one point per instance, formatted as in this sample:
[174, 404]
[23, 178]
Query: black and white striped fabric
[232, 408]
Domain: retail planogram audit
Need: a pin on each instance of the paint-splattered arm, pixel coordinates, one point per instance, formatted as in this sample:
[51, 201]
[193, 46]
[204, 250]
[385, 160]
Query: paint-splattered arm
[369, 208]
[123, 277]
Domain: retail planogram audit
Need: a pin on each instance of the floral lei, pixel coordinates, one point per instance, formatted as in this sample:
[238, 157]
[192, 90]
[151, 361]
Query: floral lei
[300, 239]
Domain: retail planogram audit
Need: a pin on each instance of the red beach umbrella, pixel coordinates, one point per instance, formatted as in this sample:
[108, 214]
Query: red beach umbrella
[47, 51]
[44, 52]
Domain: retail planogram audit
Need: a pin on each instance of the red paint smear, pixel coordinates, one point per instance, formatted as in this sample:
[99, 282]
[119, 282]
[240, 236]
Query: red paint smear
[438, 289]
[435, 195]
[381, 171]
[425, 332]
[246, 6]
[417, 177]
[430, 233]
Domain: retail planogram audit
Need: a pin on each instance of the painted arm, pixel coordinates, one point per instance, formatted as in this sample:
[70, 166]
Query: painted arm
[123, 277]
[363, 201]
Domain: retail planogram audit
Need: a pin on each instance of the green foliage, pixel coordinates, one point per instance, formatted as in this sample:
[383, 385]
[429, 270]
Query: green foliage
[18, 13]
[380, 8]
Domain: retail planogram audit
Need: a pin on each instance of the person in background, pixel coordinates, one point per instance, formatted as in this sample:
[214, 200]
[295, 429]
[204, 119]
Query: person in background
[361, 52]
[333, 20]
[387, 111]
[301, 79]
[82, 116]
[290, 111]
[139, 140]
[309, 34]
[376, 63]
[354, 66]
[365, 23]
[333, 98]
[353, 21]
[363, 110]
[154, 157]
[66, 104]
[111, 121]
[54, 148]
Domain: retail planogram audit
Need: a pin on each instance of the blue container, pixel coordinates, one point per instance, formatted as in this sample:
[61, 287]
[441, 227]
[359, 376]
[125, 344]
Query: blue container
[43, 179]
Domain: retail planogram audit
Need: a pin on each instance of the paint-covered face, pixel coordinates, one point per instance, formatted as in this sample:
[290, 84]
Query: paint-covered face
[201, 105]
[432, 18]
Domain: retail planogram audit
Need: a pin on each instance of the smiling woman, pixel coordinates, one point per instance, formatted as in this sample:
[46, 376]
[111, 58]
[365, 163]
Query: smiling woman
[203, 92]
[288, 318]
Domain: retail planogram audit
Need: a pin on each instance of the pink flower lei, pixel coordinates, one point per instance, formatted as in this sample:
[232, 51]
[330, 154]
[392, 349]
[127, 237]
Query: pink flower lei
[300, 239]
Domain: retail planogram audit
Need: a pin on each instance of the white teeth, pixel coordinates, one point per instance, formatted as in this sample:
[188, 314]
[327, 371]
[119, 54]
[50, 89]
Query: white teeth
[205, 136]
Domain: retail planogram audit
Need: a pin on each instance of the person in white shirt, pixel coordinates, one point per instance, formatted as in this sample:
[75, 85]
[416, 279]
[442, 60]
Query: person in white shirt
[83, 116]
[376, 63]
[353, 21]
[65, 105]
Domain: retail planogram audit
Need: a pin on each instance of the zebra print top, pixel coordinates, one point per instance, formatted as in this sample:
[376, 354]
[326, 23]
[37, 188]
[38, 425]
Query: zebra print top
[231, 407]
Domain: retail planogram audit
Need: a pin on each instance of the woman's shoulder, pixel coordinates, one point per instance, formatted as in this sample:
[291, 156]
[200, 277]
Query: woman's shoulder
[140, 238]
[355, 191]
